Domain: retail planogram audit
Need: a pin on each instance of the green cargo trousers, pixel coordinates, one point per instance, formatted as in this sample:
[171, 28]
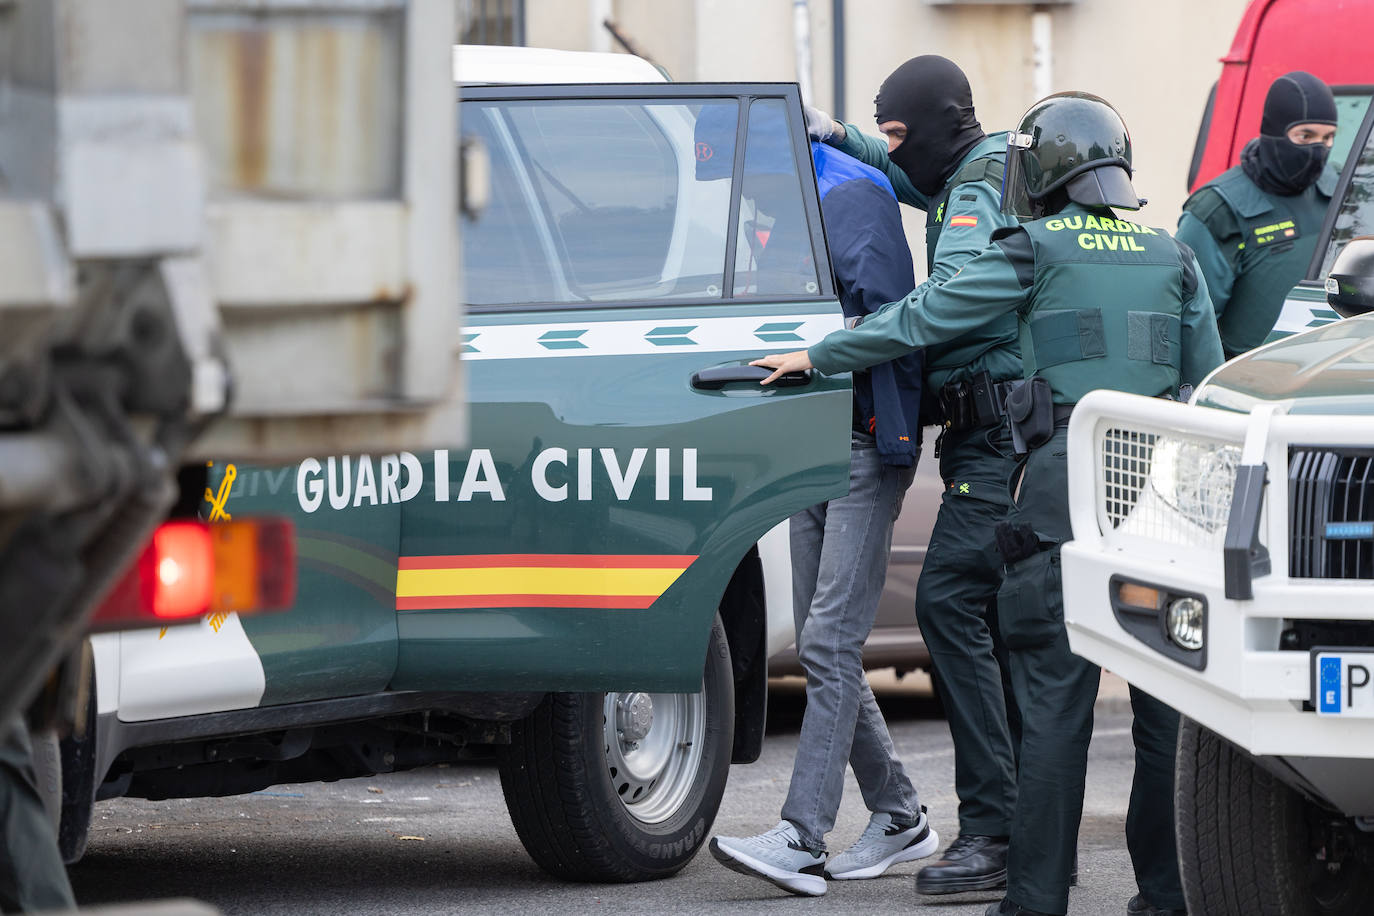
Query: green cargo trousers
[1056, 691]
[32, 876]
[957, 616]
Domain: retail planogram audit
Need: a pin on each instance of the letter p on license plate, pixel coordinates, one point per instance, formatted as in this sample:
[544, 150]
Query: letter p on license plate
[1343, 682]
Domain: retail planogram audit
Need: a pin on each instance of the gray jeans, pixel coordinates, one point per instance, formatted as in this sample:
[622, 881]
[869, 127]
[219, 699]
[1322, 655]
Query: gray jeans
[839, 562]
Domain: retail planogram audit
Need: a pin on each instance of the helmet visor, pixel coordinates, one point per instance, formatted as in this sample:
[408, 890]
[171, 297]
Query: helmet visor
[1104, 186]
[1015, 195]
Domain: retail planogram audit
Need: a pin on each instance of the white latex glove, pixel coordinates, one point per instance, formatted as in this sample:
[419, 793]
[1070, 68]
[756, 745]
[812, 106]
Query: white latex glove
[820, 126]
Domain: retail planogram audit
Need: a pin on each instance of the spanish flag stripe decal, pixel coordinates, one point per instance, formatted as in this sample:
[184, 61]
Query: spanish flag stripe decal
[964, 221]
[433, 602]
[536, 580]
[619, 561]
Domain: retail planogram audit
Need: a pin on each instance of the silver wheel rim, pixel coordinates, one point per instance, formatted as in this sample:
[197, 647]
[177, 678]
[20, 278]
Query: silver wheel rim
[654, 744]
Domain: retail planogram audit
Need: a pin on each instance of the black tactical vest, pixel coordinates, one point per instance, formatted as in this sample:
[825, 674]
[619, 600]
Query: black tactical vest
[1105, 306]
[987, 169]
[991, 348]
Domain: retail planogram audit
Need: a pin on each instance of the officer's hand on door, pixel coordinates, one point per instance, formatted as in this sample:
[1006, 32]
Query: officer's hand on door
[782, 363]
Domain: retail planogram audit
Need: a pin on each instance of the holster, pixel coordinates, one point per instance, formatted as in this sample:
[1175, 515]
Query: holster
[956, 406]
[974, 403]
[1030, 412]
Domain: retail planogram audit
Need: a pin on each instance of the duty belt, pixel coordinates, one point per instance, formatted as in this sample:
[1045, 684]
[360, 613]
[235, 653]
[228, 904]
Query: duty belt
[977, 402]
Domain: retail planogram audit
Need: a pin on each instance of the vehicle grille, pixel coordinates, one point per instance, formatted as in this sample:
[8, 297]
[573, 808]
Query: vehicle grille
[1327, 487]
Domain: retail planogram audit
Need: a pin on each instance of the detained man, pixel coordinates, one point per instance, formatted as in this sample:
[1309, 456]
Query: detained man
[839, 548]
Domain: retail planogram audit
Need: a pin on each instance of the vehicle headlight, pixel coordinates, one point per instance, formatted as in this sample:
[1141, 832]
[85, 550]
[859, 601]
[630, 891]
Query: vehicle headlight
[1196, 478]
[1186, 623]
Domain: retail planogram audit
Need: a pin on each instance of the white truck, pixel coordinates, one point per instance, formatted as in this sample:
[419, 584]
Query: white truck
[1223, 561]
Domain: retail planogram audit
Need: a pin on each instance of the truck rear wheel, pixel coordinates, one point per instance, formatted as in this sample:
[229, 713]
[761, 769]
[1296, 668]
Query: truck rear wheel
[1248, 844]
[620, 787]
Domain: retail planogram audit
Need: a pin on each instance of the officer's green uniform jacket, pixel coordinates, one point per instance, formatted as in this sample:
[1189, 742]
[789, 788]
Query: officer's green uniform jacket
[1074, 339]
[1253, 247]
[960, 221]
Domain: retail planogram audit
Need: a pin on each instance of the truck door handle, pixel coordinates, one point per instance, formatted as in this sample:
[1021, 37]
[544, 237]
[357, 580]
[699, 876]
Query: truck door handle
[718, 377]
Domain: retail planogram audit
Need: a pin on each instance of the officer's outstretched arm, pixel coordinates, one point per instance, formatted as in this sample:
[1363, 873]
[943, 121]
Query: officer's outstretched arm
[991, 284]
[873, 151]
[1201, 342]
[1217, 269]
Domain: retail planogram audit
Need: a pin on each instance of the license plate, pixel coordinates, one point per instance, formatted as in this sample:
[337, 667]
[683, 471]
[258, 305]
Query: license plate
[1343, 682]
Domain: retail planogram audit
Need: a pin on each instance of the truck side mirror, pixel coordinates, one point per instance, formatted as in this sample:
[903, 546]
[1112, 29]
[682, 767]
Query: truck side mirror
[1350, 285]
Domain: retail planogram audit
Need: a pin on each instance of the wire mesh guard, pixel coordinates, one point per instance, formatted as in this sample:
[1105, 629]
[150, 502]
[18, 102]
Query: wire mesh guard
[1169, 488]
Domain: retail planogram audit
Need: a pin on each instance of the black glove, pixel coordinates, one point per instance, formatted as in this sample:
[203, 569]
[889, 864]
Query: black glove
[1016, 541]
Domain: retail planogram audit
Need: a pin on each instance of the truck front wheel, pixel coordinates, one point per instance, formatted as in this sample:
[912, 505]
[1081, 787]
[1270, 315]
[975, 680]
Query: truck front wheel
[619, 787]
[1248, 844]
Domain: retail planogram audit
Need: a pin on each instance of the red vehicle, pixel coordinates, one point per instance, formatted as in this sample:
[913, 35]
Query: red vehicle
[1328, 38]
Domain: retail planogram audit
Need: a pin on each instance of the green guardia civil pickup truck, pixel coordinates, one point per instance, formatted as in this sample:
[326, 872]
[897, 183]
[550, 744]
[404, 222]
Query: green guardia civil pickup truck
[582, 587]
[1223, 560]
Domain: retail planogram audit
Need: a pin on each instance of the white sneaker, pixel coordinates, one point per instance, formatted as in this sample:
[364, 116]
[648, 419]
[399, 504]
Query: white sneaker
[881, 846]
[777, 856]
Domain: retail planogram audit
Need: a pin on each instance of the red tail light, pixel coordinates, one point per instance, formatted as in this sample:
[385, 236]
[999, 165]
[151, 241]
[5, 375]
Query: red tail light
[177, 571]
[192, 568]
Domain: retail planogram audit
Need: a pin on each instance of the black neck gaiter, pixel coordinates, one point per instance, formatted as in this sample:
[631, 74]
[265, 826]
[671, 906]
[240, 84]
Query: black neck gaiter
[1271, 160]
[931, 96]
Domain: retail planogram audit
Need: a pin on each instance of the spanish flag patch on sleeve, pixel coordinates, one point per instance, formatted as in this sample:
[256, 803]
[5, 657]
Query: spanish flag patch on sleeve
[964, 221]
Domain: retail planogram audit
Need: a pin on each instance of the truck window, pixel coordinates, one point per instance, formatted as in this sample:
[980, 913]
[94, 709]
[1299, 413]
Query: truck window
[504, 259]
[773, 256]
[1355, 212]
[596, 200]
[1351, 104]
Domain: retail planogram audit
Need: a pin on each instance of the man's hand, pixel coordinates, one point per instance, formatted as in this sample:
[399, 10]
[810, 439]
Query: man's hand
[820, 126]
[782, 363]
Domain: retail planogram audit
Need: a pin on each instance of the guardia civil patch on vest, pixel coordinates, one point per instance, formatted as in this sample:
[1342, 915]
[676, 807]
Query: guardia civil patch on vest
[1282, 231]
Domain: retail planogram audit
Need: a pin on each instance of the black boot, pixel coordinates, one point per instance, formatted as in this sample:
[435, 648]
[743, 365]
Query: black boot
[971, 863]
[1139, 906]
[1005, 907]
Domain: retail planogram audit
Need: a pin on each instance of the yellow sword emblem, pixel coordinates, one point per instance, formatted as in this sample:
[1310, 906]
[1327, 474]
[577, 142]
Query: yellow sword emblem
[217, 514]
[217, 500]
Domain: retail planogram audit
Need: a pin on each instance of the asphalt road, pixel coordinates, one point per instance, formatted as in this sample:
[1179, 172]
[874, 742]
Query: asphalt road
[438, 840]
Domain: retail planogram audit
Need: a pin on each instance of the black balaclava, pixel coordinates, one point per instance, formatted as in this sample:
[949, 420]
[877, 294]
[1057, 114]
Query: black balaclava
[931, 96]
[1275, 163]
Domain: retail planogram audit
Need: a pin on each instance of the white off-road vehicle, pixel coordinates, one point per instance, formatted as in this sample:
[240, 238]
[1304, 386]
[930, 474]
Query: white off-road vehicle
[1223, 561]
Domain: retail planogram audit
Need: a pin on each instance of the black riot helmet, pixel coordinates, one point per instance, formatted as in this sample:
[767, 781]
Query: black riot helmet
[1068, 146]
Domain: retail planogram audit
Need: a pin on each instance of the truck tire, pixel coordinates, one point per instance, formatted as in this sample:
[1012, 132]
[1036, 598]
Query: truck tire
[47, 767]
[65, 767]
[619, 787]
[1249, 845]
[78, 789]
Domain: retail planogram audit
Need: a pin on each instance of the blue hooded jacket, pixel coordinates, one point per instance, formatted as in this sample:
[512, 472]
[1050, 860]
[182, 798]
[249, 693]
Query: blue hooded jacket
[872, 263]
[868, 252]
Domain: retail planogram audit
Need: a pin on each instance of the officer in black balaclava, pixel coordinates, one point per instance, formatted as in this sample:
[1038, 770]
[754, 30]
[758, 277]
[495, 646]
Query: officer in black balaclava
[926, 107]
[1254, 227]
[940, 161]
